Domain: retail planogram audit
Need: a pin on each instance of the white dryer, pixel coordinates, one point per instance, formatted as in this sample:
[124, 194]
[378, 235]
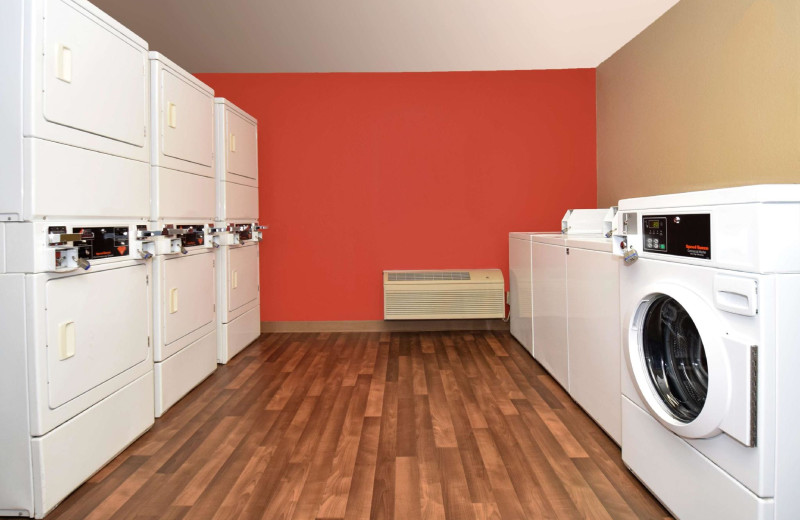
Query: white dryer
[710, 335]
[183, 210]
[76, 366]
[75, 131]
[238, 285]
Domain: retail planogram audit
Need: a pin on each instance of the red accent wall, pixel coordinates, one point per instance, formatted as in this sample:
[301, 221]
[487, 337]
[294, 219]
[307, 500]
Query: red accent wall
[365, 172]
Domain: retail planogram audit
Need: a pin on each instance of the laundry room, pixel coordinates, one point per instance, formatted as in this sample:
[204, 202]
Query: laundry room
[399, 260]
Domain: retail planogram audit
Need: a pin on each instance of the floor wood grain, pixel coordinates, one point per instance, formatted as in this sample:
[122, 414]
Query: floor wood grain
[371, 425]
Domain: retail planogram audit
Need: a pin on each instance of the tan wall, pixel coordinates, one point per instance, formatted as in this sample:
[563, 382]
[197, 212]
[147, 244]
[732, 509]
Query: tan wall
[708, 96]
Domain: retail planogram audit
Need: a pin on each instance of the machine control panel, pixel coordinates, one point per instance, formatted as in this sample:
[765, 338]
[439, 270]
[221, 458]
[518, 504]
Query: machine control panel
[193, 235]
[686, 235]
[102, 242]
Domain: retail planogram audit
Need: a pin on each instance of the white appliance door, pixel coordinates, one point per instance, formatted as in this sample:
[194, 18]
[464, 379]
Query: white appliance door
[94, 79]
[242, 149]
[242, 276]
[187, 120]
[189, 294]
[550, 309]
[692, 375]
[97, 328]
[519, 270]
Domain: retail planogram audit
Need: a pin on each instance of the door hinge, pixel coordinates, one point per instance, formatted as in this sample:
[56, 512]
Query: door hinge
[148, 341]
[215, 307]
[147, 279]
[567, 250]
[145, 131]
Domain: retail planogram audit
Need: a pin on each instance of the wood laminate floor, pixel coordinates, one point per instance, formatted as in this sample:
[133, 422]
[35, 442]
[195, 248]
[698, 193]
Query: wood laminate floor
[370, 425]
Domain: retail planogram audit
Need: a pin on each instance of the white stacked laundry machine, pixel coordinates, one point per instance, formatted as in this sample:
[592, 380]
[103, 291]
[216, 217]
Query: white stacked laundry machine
[182, 226]
[76, 364]
[238, 287]
[709, 298]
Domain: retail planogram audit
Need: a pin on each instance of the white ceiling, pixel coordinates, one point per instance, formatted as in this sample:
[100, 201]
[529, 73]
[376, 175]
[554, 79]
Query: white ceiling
[385, 35]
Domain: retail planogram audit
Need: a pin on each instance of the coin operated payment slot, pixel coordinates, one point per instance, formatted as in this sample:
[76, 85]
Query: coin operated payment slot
[216, 234]
[75, 248]
[623, 227]
[240, 234]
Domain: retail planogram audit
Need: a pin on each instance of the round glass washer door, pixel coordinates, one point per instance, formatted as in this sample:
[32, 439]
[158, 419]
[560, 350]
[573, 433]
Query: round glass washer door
[674, 358]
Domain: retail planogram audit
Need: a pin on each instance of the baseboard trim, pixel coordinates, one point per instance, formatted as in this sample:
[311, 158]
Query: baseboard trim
[382, 325]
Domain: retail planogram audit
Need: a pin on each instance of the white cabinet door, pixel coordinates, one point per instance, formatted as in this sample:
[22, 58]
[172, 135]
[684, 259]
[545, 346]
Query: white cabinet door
[94, 80]
[242, 276]
[86, 347]
[241, 149]
[186, 120]
[519, 270]
[594, 337]
[188, 295]
[550, 310]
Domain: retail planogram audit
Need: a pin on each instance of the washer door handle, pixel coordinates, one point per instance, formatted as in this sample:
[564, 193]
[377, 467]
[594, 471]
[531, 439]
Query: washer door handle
[735, 294]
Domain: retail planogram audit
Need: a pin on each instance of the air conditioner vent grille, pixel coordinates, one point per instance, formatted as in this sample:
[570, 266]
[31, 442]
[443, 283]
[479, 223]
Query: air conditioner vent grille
[421, 276]
[431, 295]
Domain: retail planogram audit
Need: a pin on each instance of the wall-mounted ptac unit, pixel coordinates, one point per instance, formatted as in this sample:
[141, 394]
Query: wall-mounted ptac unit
[76, 365]
[446, 294]
[237, 163]
[74, 131]
[182, 151]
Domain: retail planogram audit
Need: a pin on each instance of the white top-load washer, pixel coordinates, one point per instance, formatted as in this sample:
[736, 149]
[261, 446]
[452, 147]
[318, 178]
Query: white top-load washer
[182, 227]
[238, 285]
[575, 221]
[709, 299]
[549, 286]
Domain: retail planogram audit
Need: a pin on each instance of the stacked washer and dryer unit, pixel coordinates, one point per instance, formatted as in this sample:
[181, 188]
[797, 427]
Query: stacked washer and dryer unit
[76, 363]
[710, 299]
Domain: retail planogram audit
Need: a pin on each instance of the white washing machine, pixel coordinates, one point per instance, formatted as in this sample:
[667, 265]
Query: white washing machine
[182, 215]
[74, 131]
[76, 366]
[238, 285]
[593, 340]
[710, 334]
[520, 288]
[549, 287]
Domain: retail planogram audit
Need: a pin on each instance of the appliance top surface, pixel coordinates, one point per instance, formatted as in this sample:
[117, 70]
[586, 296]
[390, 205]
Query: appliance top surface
[763, 193]
[549, 238]
[157, 56]
[594, 243]
[522, 235]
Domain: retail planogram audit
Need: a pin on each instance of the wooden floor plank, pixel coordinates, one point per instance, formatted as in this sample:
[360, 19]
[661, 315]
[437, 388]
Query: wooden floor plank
[389, 425]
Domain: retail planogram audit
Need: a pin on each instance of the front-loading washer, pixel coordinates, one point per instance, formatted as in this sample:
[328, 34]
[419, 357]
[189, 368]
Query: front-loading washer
[708, 302]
